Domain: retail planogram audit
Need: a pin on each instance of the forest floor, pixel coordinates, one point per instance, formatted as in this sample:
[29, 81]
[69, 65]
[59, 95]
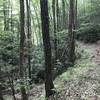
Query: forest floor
[81, 82]
[86, 84]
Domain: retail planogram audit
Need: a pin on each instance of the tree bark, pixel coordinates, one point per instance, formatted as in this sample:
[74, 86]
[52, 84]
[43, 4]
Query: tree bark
[22, 44]
[71, 45]
[57, 14]
[47, 47]
[22, 37]
[64, 14]
[1, 96]
[55, 28]
[75, 14]
[29, 36]
[23, 93]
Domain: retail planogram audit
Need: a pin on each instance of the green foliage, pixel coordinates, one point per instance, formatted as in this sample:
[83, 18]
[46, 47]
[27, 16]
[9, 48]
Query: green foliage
[82, 65]
[37, 62]
[6, 36]
[88, 33]
[8, 48]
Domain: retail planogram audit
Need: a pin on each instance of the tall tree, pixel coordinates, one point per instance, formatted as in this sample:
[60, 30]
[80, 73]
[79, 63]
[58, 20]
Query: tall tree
[11, 22]
[6, 14]
[22, 44]
[75, 14]
[71, 44]
[22, 37]
[47, 47]
[57, 14]
[64, 14]
[29, 36]
[1, 96]
[55, 28]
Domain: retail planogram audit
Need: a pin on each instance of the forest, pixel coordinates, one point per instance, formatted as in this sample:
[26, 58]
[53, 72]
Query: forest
[49, 49]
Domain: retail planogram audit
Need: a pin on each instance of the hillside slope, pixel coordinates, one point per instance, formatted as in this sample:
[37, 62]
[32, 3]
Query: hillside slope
[86, 84]
[80, 82]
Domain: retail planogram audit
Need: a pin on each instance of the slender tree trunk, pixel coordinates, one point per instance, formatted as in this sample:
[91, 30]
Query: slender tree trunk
[22, 38]
[75, 14]
[38, 21]
[29, 36]
[57, 14]
[1, 96]
[5, 14]
[47, 47]
[55, 29]
[84, 3]
[12, 86]
[71, 53]
[35, 32]
[11, 18]
[23, 93]
[22, 44]
[6, 9]
[64, 14]
[8, 14]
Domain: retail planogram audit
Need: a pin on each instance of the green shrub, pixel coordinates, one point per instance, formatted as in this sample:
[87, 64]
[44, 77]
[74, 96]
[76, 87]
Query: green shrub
[37, 62]
[9, 47]
[88, 33]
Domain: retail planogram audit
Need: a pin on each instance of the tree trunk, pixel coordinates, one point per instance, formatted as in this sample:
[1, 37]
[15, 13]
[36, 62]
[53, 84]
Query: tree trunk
[64, 14]
[55, 29]
[1, 96]
[5, 15]
[29, 36]
[22, 44]
[57, 14]
[47, 47]
[12, 86]
[22, 37]
[75, 14]
[23, 93]
[71, 45]
[12, 30]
